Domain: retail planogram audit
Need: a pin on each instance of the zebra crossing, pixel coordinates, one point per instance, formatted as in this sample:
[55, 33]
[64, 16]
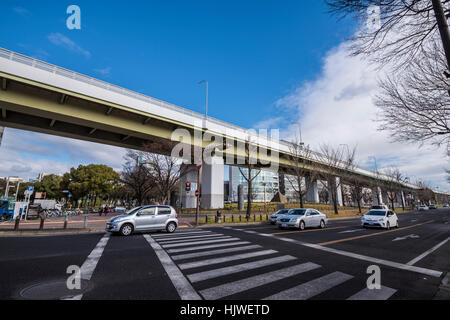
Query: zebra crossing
[200, 257]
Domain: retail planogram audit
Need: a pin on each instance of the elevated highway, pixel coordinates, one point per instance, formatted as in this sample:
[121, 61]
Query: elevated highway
[45, 98]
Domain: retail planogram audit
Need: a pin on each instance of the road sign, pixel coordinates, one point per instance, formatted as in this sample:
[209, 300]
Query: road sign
[31, 188]
[70, 195]
[196, 193]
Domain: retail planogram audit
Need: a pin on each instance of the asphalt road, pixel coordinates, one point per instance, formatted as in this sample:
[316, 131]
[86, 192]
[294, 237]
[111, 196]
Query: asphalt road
[237, 262]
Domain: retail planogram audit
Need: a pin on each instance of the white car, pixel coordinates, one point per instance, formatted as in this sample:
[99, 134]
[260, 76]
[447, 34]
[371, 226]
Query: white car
[423, 208]
[379, 218]
[273, 218]
[302, 218]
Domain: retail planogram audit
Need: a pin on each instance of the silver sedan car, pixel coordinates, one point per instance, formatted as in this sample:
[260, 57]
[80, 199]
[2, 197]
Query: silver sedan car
[273, 218]
[302, 218]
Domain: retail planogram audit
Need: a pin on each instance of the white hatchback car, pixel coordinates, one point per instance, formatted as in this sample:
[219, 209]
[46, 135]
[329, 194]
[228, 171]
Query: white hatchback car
[379, 218]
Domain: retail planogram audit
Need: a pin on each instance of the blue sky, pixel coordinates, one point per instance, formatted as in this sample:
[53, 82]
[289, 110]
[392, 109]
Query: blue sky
[268, 64]
[251, 52]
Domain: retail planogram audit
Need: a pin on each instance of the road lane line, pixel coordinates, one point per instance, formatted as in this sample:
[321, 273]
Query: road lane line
[197, 242]
[190, 237]
[388, 263]
[211, 274]
[373, 294]
[88, 267]
[303, 231]
[181, 284]
[208, 262]
[312, 288]
[213, 252]
[230, 288]
[372, 234]
[212, 237]
[195, 248]
[423, 255]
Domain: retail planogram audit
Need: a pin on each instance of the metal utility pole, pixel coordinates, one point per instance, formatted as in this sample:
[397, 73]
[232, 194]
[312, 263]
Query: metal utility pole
[197, 194]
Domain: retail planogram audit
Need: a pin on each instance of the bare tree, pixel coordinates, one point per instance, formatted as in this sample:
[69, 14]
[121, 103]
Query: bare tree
[410, 36]
[415, 106]
[336, 163]
[400, 33]
[298, 167]
[164, 170]
[392, 184]
[135, 177]
[251, 159]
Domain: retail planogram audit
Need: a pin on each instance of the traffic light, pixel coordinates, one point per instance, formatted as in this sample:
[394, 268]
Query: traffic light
[188, 186]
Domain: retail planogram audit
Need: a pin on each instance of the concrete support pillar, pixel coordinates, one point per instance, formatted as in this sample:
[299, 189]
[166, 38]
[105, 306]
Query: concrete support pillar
[212, 184]
[312, 190]
[188, 199]
[338, 193]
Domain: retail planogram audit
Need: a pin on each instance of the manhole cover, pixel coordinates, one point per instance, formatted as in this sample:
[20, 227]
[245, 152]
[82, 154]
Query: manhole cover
[52, 290]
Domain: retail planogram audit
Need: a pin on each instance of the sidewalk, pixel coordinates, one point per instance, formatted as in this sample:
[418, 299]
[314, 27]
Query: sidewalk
[55, 225]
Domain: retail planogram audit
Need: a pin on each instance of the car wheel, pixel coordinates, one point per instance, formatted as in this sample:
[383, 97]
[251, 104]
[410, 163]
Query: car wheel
[126, 229]
[322, 224]
[280, 227]
[171, 227]
[388, 226]
[302, 225]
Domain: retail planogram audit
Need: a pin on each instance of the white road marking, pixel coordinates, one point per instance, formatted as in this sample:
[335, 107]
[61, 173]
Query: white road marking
[312, 288]
[191, 237]
[392, 264]
[195, 248]
[181, 284]
[375, 294]
[88, 267]
[230, 288]
[213, 252]
[213, 237]
[354, 230]
[158, 236]
[205, 275]
[208, 262]
[198, 242]
[423, 255]
[409, 236]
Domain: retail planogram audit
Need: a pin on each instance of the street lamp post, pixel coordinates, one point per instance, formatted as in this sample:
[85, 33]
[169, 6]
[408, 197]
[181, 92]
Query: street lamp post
[206, 111]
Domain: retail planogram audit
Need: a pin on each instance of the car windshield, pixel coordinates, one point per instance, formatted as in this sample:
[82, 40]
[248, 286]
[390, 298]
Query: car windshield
[376, 213]
[283, 211]
[297, 212]
[131, 211]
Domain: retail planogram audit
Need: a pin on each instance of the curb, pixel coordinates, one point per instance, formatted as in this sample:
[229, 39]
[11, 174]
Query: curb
[443, 292]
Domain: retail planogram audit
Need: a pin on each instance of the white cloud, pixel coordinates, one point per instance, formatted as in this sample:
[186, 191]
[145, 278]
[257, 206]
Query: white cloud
[104, 72]
[337, 108]
[26, 154]
[63, 41]
[22, 11]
